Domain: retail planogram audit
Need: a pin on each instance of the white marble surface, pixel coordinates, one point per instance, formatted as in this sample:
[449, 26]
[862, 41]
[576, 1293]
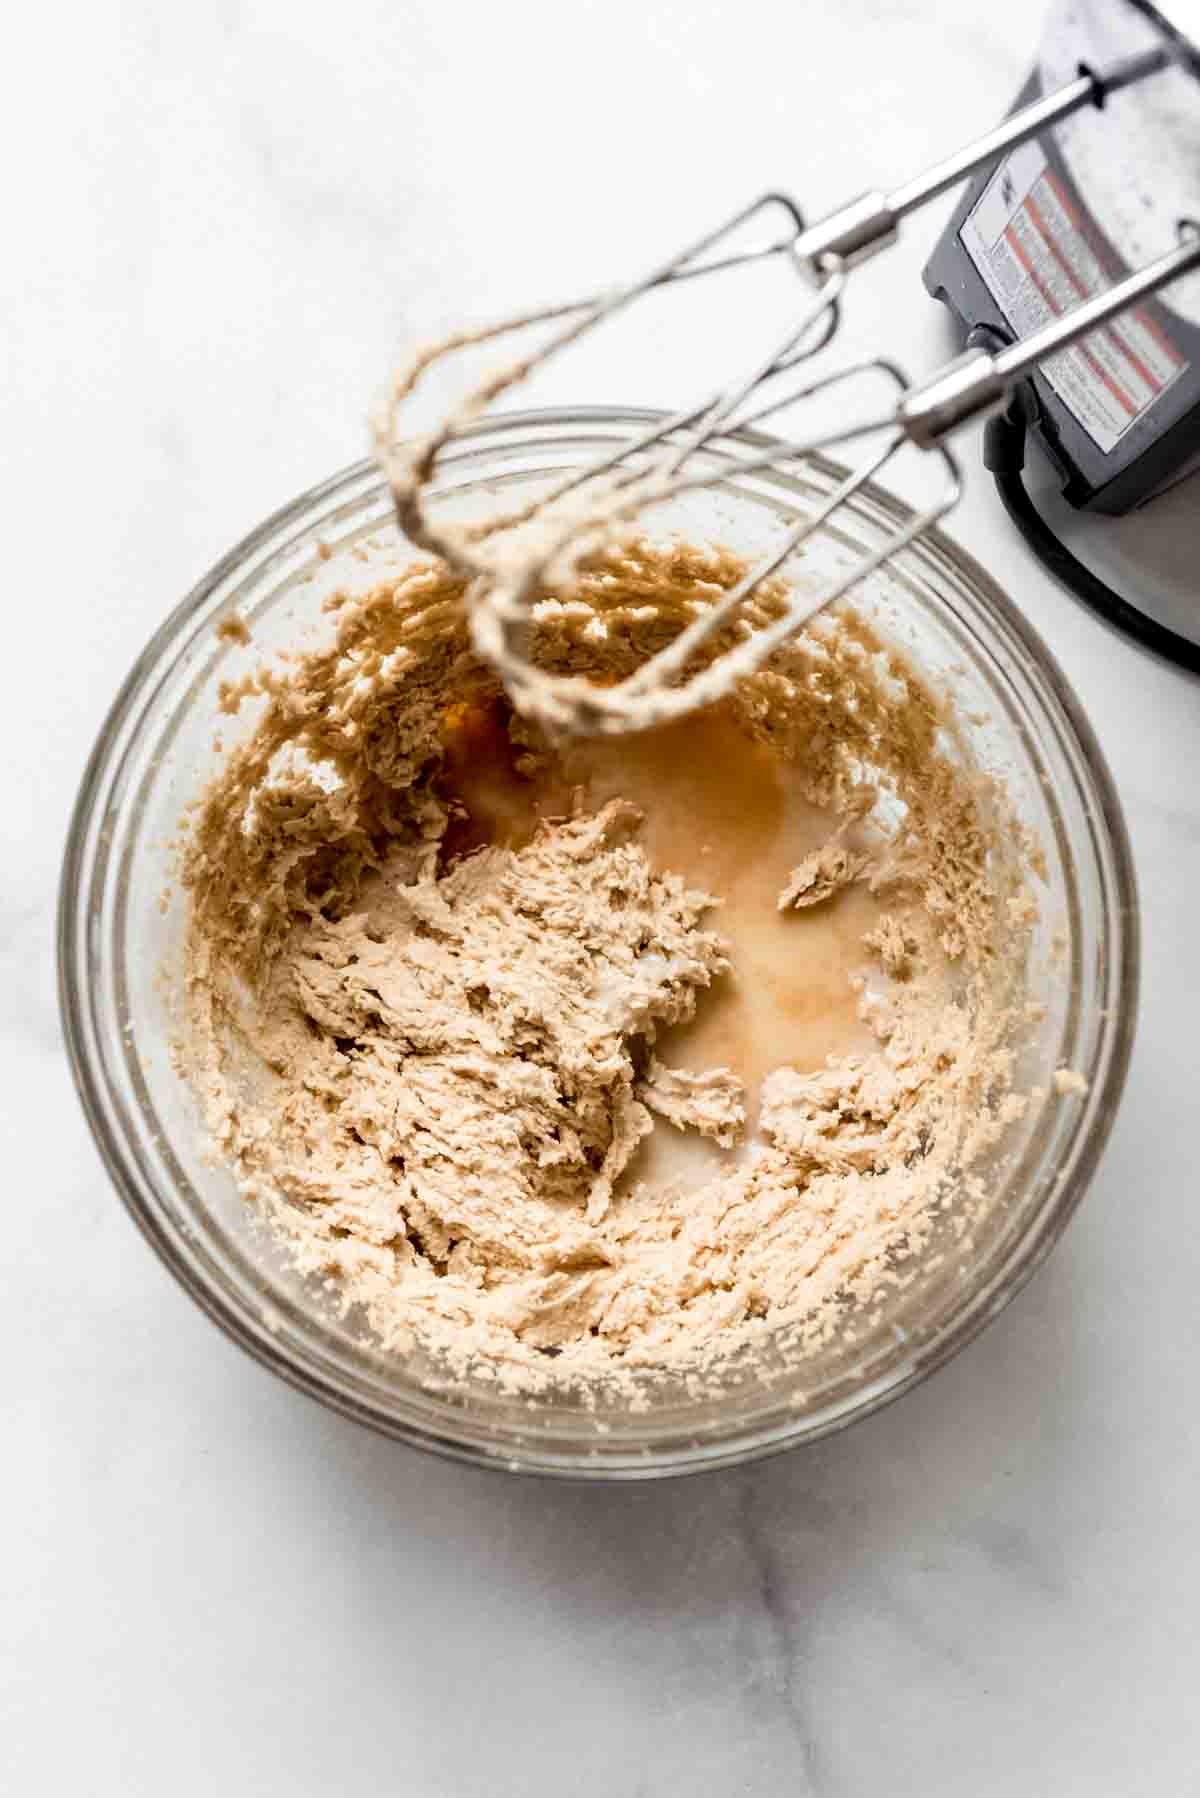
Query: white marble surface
[218, 220]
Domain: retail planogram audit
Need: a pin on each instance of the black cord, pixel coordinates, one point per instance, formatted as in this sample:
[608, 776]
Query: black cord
[1004, 454]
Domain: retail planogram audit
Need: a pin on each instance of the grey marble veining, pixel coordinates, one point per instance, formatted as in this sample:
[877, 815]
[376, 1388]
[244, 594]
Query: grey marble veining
[219, 220]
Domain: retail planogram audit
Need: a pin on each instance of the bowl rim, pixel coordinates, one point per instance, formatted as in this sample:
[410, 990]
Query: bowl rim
[1020, 1261]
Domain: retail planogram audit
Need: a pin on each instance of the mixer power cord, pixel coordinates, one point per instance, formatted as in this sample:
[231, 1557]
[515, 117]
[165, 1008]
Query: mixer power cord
[1004, 455]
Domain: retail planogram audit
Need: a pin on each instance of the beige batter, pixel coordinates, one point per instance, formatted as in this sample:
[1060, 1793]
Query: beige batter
[567, 1060]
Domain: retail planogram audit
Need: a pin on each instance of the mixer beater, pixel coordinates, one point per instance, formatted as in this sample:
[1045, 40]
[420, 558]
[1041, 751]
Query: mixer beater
[511, 561]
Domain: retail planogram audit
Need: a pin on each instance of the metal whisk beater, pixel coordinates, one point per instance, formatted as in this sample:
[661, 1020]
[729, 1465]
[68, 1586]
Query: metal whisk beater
[510, 560]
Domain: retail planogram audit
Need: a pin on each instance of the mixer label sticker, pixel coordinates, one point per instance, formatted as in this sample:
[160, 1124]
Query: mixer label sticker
[1029, 245]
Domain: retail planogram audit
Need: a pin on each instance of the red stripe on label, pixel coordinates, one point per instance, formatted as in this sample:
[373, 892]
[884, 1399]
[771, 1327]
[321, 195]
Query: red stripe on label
[1064, 200]
[1110, 331]
[1097, 368]
[1114, 272]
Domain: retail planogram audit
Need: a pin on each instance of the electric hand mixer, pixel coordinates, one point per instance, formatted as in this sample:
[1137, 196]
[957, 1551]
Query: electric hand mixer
[511, 561]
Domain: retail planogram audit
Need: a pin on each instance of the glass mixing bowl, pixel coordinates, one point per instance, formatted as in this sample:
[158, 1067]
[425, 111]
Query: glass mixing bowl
[119, 953]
